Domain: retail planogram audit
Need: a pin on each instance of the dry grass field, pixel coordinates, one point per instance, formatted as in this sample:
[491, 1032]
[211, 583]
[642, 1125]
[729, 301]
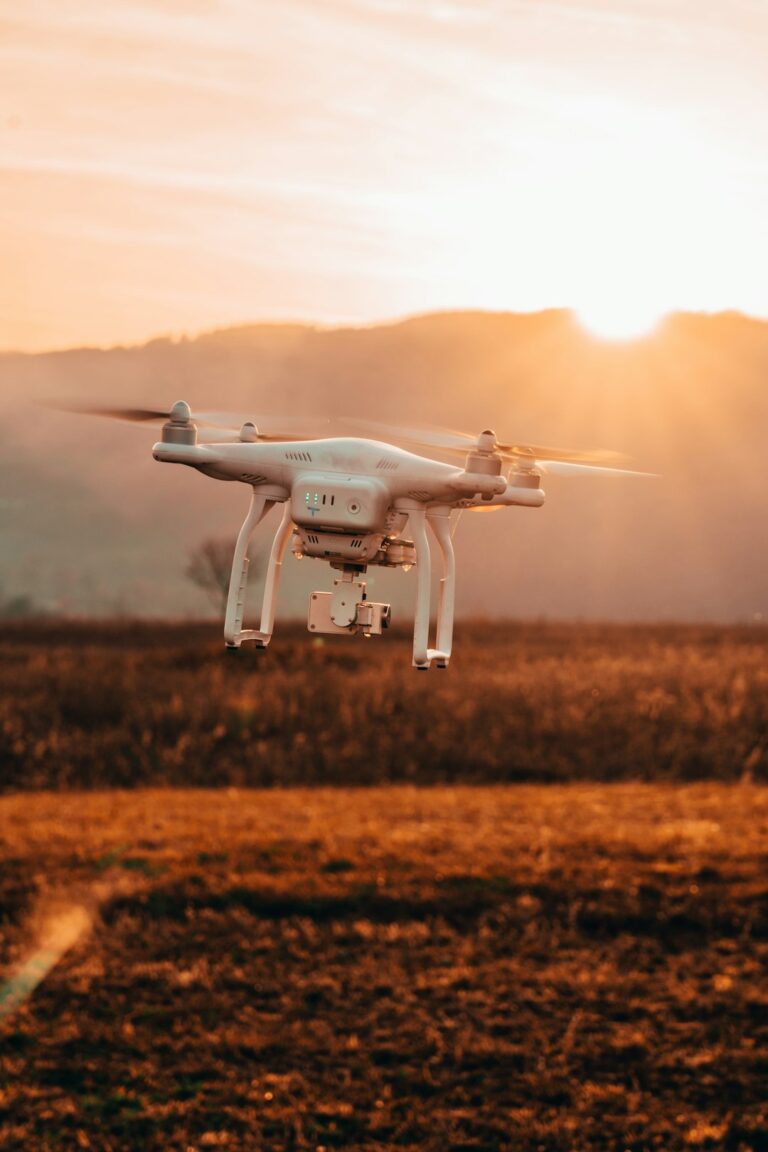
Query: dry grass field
[518, 967]
[489, 948]
[104, 706]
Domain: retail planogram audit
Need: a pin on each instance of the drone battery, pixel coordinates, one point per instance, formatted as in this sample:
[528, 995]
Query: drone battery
[356, 504]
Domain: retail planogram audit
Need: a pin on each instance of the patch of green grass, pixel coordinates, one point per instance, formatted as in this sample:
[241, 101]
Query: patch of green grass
[142, 865]
[110, 1105]
[110, 859]
[332, 867]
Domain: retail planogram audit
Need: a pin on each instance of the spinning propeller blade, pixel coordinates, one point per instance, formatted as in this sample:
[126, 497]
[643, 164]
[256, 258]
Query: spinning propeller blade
[571, 468]
[221, 426]
[556, 461]
[598, 458]
[446, 439]
[132, 415]
[234, 421]
[229, 426]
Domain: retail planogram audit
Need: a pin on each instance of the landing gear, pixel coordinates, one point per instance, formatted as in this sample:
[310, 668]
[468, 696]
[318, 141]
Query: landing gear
[234, 633]
[439, 521]
[347, 608]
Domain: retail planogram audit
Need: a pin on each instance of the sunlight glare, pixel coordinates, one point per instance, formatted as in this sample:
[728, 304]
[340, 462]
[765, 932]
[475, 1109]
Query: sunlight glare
[618, 318]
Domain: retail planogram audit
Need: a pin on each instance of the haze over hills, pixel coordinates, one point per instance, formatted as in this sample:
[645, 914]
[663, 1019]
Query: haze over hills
[90, 523]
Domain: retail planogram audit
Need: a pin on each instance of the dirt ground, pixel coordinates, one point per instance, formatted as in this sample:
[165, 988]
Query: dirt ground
[516, 967]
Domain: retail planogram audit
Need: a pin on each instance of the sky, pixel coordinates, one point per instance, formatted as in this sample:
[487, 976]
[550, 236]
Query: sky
[177, 165]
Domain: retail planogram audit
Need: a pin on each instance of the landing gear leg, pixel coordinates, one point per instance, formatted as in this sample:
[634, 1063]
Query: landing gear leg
[234, 633]
[418, 524]
[439, 521]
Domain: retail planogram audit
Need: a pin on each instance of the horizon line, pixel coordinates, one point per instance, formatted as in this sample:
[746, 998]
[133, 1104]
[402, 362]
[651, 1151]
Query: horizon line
[343, 325]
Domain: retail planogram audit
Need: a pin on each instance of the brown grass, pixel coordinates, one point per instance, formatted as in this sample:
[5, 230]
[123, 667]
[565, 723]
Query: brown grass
[95, 707]
[554, 968]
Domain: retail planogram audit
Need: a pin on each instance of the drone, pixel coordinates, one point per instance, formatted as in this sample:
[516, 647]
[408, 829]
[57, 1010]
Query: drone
[357, 502]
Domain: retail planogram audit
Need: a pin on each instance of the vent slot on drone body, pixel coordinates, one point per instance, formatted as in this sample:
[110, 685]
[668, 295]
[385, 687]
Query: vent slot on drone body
[387, 465]
[423, 497]
[303, 456]
[253, 477]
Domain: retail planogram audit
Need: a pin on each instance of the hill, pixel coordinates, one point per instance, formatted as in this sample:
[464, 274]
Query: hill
[88, 522]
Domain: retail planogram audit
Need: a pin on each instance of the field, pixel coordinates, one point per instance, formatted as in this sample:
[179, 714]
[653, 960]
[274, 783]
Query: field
[490, 968]
[95, 707]
[501, 951]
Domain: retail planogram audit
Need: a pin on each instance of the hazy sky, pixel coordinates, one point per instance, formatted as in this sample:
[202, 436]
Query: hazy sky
[170, 166]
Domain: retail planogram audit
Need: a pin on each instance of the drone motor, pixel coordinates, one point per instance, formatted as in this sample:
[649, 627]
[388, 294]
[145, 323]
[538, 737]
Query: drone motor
[179, 428]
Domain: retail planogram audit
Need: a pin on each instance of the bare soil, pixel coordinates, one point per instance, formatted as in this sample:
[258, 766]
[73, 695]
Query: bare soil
[559, 967]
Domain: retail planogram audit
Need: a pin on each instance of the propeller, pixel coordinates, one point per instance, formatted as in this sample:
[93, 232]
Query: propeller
[132, 415]
[224, 426]
[555, 461]
[571, 468]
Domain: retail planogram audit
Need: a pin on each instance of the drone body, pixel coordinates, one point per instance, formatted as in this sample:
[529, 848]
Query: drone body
[348, 501]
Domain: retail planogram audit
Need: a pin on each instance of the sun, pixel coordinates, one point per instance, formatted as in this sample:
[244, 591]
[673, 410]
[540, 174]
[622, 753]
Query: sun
[618, 318]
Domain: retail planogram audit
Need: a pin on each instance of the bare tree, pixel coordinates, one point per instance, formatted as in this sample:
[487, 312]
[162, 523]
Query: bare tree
[209, 567]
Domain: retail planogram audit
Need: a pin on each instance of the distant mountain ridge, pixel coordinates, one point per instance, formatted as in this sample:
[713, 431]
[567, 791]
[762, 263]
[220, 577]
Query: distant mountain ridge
[88, 521]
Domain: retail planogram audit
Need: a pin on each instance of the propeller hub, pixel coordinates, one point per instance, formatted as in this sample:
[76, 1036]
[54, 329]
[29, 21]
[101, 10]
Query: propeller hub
[180, 429]
[524, 461]
[486, 441]
[524, 478]
[181, 413]
[249, 433]
[484, 463]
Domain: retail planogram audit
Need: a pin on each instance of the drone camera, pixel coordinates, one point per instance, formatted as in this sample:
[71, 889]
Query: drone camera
[347, 609]
[370, 617]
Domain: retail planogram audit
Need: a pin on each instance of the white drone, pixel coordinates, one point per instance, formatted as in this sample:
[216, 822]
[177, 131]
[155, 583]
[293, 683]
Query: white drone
[348, 501]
